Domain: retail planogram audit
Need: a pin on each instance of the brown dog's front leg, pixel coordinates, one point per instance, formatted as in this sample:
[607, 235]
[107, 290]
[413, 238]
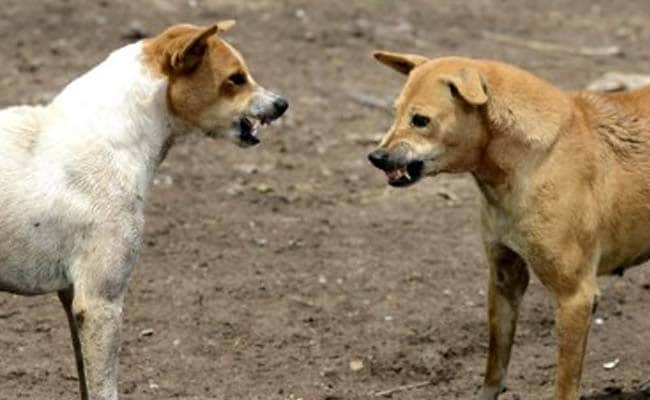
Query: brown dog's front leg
[573, 321]
[509, 279]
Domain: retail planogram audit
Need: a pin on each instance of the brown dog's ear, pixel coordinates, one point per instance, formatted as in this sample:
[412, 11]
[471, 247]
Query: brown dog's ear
[191, 53]
[403, 63]
[469, 85]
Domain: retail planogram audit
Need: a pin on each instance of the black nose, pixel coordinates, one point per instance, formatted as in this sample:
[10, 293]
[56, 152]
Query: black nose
[379, 158]
[280, 105]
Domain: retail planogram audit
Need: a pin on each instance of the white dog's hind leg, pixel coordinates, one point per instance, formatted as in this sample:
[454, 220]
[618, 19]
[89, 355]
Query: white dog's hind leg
[66, 297]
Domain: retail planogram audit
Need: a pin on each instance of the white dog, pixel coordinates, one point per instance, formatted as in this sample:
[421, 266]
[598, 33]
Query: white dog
[74, 175]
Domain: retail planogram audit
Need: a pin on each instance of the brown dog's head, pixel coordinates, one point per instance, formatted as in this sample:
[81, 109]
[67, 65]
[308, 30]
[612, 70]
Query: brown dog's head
[438, 123]
[210, 86]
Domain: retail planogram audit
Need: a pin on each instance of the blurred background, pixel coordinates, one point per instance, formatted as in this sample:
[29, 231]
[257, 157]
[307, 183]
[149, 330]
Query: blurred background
[291, 271]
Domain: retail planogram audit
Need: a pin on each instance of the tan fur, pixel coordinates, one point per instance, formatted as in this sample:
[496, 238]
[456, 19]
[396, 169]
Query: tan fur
[565, 179]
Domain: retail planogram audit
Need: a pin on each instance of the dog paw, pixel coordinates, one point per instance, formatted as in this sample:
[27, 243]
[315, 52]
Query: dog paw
[491, 393]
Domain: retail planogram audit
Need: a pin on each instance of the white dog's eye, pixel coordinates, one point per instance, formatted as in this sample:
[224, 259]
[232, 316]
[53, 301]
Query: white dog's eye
[238, 79]
[420, 121]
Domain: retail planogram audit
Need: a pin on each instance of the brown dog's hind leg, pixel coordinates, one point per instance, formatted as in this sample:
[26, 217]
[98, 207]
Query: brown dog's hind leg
[509, 279]
[573, 321]
[66, 297]
[568, 271]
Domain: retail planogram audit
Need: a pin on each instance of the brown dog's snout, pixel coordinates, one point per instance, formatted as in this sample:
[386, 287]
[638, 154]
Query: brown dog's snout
[380, 159]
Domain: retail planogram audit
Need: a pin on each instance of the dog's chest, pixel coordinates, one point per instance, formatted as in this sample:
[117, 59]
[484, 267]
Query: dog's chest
[53, 213]
[499, 227]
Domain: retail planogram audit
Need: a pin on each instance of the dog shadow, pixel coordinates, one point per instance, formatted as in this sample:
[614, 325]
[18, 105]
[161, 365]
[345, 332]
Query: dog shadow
[641, 394]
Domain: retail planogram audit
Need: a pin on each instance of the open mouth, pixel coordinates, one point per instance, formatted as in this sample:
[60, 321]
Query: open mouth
[249, 130]
[405, 175]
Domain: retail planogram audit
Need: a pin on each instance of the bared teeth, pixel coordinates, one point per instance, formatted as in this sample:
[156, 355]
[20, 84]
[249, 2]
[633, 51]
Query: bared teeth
[397, 174]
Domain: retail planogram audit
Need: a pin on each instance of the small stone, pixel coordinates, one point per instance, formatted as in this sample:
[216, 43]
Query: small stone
[356, 365]
[599, 321]
[263, 188]
[146, 332]
[611, 364]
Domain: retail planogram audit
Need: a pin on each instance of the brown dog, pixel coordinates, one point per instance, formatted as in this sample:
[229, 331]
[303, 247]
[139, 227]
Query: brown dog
[565, 183]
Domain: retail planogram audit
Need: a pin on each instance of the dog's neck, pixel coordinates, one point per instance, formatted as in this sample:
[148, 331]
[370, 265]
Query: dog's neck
[522, 128]
[123, 103]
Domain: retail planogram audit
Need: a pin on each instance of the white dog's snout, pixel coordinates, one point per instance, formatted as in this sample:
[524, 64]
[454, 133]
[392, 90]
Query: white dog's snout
[266, 103]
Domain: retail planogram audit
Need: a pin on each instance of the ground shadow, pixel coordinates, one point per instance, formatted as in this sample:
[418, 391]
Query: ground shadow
[641, 394]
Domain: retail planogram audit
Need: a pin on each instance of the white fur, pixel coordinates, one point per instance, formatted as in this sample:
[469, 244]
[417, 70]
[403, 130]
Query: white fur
[73, 180]
[70, 169]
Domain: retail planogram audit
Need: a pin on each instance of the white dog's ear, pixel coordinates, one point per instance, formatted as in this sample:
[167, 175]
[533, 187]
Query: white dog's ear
[403, 63]
[225, 26]
[190, 53]
[469, 85]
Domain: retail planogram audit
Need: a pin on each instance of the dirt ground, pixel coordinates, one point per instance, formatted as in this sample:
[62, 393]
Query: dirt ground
[267, 272]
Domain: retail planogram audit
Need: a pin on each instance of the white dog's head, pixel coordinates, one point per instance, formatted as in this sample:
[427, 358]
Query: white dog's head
[210, 86]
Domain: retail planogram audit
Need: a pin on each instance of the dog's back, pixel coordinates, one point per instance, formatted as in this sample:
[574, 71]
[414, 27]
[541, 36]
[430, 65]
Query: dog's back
[615, 157]
[637, 100]
[20, 128]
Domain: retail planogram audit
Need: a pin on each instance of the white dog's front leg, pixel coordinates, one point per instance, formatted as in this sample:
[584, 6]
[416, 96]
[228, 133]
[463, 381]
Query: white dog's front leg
[100, 280]
[99, 323]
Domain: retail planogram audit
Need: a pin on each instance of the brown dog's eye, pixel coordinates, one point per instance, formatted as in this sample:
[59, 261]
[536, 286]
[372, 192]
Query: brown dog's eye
[420, 121]
[238, 79]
